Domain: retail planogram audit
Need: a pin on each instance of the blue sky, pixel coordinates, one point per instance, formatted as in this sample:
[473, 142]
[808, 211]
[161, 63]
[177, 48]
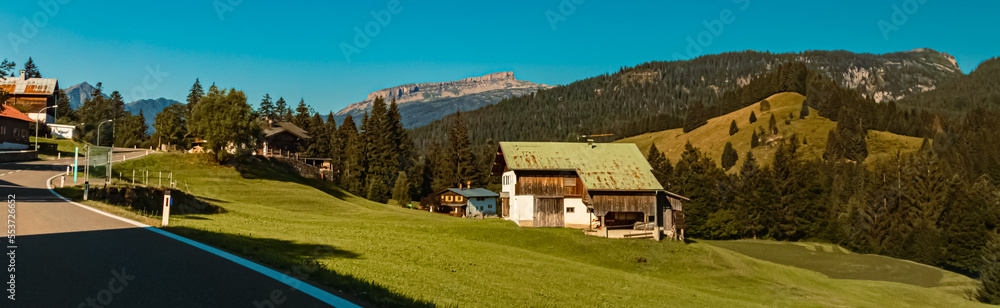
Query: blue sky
[294, 49]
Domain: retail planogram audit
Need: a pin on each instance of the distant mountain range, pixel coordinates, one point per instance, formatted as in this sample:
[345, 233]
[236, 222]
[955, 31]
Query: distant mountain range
[422, 103]
[80, 93]
[655, 96]
[149, 107]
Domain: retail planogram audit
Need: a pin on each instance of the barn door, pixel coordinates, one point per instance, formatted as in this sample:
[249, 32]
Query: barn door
[506, 207]
[549, 212]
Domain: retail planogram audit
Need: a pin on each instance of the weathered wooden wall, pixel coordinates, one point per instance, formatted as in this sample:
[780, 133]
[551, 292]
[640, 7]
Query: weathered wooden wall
[549, 212]
[549, 184]
[623, 202]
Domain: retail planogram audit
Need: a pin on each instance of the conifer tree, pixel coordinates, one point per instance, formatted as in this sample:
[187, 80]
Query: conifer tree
[662, 169]
[989, 275]
[772, 125]
[302, 113]
[733, 129]
[753, 117]
[729, 156]
[194, 95]
[805, 111]
[31, 70]
[266, 109]
[352, 168]
[460, 167]
[754, 140]
[281, 111]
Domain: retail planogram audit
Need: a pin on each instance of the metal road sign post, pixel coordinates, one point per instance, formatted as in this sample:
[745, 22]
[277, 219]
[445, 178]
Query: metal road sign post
[76, 162]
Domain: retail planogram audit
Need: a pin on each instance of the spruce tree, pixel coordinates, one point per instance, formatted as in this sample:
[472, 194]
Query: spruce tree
[302, 113]
[662, 169]
[754, 140]
[729, 156]
[459, 152]
[989, 275]
[266, 109]
[772, 125]
[733, 129]
[31, 70]
[753, 117]
[805, 111]
[352, 169]
[281, 110]
[194, 95]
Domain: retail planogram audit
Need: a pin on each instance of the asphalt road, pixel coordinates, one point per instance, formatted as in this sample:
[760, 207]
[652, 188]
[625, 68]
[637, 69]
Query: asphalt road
[70, 256]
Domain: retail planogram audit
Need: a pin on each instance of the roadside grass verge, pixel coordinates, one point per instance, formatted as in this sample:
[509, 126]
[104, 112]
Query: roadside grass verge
[65, 147]
[390, 256]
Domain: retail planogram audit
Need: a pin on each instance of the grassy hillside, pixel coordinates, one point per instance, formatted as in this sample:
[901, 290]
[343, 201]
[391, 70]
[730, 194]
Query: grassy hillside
[712, 137]
[392, 256]
[839, 263]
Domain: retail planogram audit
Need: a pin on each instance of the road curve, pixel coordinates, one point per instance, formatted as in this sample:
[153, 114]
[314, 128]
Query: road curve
[70, 255]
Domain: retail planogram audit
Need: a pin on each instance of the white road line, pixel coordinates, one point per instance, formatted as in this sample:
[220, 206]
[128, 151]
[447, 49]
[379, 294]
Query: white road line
[306, 288]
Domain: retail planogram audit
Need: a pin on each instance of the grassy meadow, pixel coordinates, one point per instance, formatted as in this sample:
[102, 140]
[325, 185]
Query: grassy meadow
[390, 256]
[711, 138]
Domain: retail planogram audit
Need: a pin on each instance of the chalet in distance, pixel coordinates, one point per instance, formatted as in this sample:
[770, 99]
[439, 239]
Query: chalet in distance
[466, 202]
[282, 138]
[33, 95]
[14, 130]
[580, 185]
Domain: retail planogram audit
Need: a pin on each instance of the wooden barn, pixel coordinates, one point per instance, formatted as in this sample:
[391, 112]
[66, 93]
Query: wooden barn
[32, 95]
[602, 186]
[281, 138]
[466, 202]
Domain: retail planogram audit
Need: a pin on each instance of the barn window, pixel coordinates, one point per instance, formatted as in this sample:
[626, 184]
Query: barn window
[489, 206]
[570, 210]
[458, 198]
[448, 198]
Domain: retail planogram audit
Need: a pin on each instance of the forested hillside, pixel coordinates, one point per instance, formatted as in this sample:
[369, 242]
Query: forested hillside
[656, 96]
[979, 88]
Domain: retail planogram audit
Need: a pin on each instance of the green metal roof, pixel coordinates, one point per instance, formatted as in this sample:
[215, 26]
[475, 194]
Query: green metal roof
[601, 166]
[475, 192]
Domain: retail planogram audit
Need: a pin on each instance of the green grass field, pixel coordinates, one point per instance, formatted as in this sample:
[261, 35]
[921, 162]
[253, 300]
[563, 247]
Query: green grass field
[390, 256]
[63, 146]
[712, 137]
[839, 263]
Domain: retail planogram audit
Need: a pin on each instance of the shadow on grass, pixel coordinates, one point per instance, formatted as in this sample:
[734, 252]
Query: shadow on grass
[263, 168]
[301, 261]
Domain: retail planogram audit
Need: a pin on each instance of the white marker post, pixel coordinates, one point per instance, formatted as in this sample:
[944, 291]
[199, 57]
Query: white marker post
[167, 201]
